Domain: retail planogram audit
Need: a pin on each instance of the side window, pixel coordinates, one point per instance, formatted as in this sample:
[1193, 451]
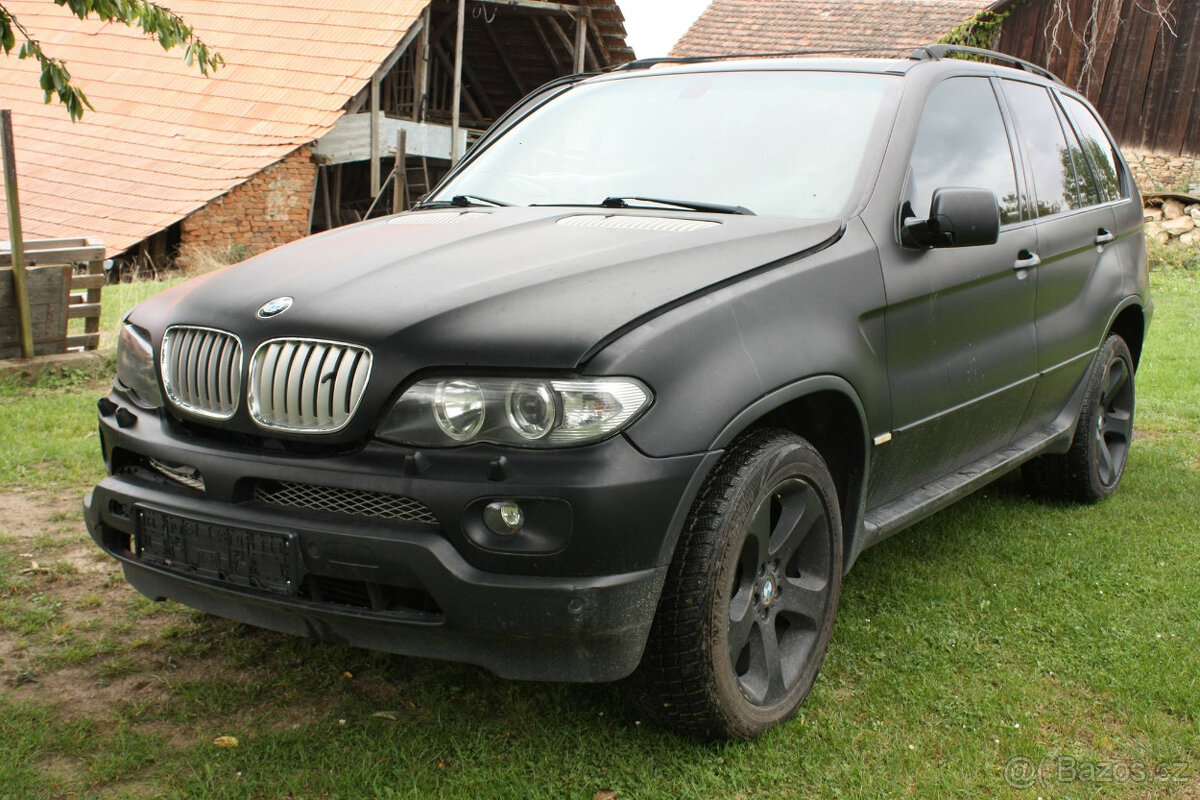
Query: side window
[1096, 147]
[961, 141]
[1085, 187]
[1055, 184]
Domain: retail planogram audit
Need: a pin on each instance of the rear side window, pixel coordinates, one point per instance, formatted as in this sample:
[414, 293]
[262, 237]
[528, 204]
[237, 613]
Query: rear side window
[1097, 148]
[1051, 160]
[961, 141]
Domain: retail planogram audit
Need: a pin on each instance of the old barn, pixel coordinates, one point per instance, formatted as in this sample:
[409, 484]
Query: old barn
[296, 133]
[1138, 61]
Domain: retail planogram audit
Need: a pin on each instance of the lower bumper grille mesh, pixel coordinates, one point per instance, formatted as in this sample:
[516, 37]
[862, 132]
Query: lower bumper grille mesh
[343, 501]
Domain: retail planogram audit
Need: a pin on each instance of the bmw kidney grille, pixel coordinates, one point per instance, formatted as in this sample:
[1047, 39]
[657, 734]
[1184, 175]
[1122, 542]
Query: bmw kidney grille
[307, 385]
[295, 385]
[202, 370]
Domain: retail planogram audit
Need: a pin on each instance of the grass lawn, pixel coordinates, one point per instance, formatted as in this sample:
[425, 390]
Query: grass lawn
[1004, 648]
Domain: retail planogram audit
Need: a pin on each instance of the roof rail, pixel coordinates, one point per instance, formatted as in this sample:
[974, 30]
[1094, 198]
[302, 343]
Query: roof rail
[936, 52]
[646, 63]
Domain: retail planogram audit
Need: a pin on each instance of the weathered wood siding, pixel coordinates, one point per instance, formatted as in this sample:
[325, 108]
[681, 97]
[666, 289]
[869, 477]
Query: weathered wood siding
[1142, 74]
[48, 289]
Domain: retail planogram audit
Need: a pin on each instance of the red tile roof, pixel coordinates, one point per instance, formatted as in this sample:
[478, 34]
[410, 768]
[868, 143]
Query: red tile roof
[163, 140]
[771, 26]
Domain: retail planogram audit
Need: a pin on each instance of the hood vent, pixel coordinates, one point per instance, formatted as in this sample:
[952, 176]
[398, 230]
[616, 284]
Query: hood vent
[633, 223]
[307, 385]
[435, 217]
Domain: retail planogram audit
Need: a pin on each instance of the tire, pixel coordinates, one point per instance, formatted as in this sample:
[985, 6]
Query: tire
[750, 595]
[1091, 470]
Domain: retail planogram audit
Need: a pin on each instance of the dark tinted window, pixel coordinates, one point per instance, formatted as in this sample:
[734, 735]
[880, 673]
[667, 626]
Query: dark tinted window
[1050, 159]
[962, 142]
[1097, 148]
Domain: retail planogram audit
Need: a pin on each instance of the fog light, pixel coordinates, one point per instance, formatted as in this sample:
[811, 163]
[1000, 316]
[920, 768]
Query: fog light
[503, 518]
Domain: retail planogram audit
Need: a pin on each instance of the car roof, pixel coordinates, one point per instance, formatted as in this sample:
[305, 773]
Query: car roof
[928, 57]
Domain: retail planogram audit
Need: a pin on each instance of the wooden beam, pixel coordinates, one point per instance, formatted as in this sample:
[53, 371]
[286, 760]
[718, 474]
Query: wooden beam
[559, 68]
[535, 5]
[581, 41]
[374, 134]
[88, 341]
[504, 59]
[77, 310]
[400, 170]
[94, 282]
[89, 281]
[599, 50]
[565, 40]
[421, 83]
[24, 318]
[456, 97]
[415, 30]
[448, 64]
[323, 177]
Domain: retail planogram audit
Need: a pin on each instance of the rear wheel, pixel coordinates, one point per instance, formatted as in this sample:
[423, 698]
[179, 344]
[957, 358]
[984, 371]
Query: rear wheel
[1091, 470]
[751, 594]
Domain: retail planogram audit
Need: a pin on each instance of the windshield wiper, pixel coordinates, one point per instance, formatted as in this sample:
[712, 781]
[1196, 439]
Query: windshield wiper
[716, 208]
[462, 201]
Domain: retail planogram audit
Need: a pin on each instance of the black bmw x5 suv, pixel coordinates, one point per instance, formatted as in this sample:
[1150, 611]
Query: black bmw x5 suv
[630, 391]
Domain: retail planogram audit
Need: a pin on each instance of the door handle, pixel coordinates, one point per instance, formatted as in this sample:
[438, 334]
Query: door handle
[1026, 260]
[1103, 236]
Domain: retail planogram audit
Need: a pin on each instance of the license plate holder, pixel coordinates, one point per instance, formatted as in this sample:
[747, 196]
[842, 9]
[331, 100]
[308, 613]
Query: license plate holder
[217, 551]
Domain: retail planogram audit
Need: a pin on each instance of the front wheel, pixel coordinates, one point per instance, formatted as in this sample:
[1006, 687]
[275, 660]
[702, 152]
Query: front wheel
[1092, 468]
[751, 594]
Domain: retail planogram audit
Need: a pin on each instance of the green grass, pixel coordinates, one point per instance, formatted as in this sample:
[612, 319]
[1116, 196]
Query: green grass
[1000, 629]
[48, 440]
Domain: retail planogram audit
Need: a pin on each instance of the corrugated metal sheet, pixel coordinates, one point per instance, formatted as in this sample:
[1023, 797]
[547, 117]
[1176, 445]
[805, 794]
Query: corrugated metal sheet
[163, 140]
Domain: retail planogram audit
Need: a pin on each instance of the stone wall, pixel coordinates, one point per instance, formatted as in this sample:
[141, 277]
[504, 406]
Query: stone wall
[270, 209]
[1155, 172]
[1170, 221]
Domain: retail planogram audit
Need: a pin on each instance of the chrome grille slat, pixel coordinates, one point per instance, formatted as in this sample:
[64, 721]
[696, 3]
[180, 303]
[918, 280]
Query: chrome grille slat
[323, 398]
[307, 385]
[210, 373]
[202, 370]
[334, 500]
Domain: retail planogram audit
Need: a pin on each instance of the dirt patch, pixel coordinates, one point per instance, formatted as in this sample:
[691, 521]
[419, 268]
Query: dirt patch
[70, 614]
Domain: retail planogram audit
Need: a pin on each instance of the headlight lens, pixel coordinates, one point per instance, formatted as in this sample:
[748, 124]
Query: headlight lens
[135, 367]
[458, 409]
[531, 409]
[441, 412]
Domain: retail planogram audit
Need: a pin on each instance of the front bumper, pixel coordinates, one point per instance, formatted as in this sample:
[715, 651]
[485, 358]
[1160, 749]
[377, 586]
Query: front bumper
[576, 604]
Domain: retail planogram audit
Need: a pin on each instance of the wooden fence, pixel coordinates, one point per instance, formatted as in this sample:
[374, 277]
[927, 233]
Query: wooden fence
[57, 295]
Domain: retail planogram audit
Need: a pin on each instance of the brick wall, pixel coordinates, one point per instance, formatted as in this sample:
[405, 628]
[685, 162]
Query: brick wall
[1155, 172]
[270, 209]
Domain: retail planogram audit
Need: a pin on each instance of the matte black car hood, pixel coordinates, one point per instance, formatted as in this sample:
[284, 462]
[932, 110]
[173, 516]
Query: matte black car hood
[511, 287]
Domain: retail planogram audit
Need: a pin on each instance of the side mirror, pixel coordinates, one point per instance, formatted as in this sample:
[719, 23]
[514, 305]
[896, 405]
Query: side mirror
[958, 217]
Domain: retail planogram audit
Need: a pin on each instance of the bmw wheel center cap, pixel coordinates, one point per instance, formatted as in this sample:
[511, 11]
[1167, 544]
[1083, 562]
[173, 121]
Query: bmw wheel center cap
[273, 308]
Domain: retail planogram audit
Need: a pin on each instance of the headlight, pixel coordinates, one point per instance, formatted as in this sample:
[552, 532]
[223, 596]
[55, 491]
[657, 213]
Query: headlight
[458, 409]
[135, 367]
[528, 412]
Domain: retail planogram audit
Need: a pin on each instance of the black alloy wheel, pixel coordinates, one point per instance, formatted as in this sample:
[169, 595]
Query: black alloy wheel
[751, 595]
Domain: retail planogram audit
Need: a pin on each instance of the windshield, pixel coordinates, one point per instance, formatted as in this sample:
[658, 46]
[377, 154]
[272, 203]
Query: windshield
[786, 143]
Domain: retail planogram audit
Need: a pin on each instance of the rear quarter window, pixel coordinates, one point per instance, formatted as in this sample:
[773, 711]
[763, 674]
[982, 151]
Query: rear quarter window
[1097, 148]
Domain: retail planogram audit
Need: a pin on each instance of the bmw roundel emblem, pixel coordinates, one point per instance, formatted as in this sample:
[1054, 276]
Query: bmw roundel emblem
[273, 308]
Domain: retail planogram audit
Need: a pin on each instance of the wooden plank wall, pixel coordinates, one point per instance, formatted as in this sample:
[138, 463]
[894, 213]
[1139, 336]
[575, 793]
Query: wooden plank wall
[1142, 74]
[48, 289]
